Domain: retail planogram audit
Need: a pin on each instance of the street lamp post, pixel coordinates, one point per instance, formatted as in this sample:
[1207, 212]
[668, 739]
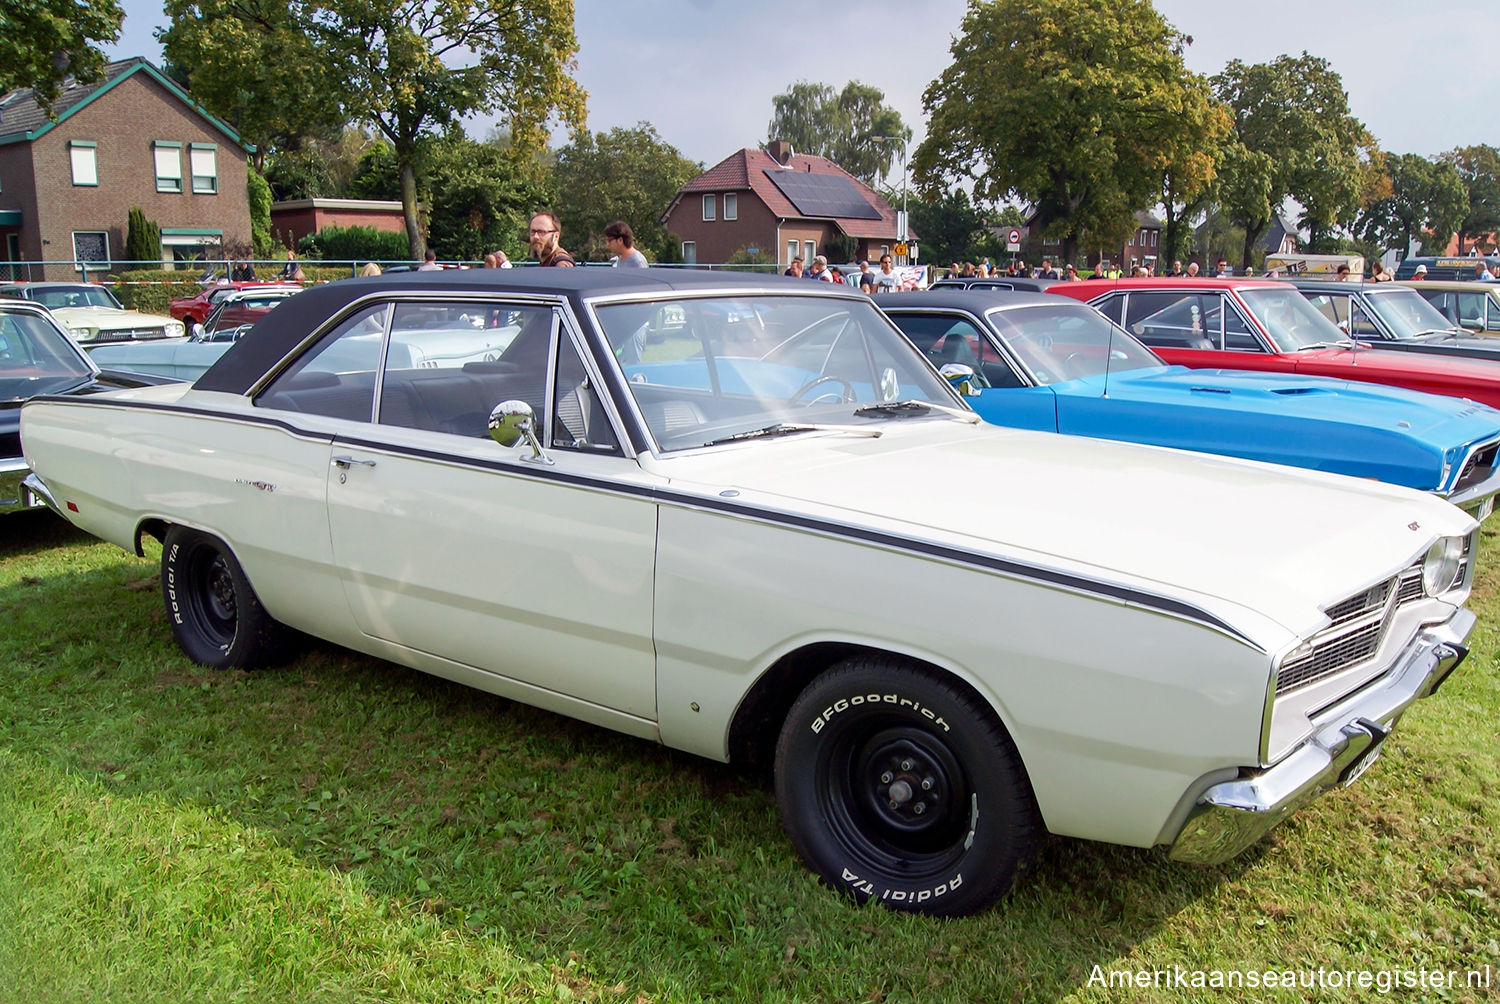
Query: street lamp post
[901, 219]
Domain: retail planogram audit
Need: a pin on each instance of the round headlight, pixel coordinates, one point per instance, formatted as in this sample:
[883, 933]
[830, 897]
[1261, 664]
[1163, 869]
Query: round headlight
[175, 329]
[84, 334]
[1440, 567]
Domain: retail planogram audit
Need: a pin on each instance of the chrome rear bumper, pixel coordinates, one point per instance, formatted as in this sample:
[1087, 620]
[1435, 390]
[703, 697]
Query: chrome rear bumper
[1232, 815]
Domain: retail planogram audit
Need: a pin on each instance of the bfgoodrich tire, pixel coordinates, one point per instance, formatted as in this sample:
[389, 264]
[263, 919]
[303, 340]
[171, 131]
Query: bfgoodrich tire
[900, 787]
[215, 615]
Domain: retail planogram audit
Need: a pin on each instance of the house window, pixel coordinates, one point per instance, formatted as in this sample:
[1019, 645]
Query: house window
[690, 252]
[731, 207]
[168, 166]
[710, 202]
[809, 249]
[791, 251]
[204, 167]
[90, 247]
[81, 154]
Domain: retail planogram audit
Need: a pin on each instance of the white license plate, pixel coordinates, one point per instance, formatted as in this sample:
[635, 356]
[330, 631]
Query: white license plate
[1352, 774]
[1485, 508]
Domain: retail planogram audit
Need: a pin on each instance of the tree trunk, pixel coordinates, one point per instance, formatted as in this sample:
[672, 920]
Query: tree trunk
[416, 241]
[1252, 238]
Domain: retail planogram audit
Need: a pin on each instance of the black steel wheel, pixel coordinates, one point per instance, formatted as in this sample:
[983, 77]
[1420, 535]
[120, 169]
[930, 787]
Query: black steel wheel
[215, 615]
[898, 786]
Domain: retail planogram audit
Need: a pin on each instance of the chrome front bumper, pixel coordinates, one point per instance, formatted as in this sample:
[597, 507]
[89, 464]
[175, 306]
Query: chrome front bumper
[1478, 500]
[1232, 815]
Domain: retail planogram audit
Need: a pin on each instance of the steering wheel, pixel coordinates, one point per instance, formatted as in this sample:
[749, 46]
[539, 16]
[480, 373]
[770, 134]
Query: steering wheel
[846, 390]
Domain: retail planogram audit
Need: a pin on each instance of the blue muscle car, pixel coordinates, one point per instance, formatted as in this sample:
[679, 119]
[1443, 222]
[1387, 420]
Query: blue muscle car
[1043, 364]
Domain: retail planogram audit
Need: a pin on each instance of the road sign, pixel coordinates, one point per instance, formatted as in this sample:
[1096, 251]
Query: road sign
[899, 249]
[1013, 240]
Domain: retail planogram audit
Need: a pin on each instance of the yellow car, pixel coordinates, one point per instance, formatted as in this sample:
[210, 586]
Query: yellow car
[1471, 305]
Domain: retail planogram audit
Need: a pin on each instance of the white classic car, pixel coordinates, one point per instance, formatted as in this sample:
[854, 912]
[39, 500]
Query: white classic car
[743, 517]
[91, 313]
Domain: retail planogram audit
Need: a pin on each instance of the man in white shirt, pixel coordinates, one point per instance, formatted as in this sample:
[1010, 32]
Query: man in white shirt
[887, 281]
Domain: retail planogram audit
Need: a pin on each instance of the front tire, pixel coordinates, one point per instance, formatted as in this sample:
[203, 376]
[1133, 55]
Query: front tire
[216, 617]
[897, 786]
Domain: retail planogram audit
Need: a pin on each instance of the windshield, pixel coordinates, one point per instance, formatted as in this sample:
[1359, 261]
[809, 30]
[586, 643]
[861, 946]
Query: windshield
[36, 358]
[1292, 322]
[1406, 313]
[1067, 342]
[56, 297]
[706, 369]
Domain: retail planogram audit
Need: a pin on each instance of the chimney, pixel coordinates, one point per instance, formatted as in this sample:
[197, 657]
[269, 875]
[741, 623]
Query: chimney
[780, 151]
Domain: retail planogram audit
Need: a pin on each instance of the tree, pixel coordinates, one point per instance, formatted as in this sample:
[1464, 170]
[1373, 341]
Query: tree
[1292, 137]
[142, 237]
[951, 227]
[1479, 167]
[854, 127]
[409, 68]
[1418, 199]
[45, 41]
[1065, 104]
[258, 194]
[251, 63]
[482, 195]
[623, 174]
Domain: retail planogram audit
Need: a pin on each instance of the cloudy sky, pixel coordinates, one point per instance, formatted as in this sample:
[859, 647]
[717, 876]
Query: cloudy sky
[703, 72]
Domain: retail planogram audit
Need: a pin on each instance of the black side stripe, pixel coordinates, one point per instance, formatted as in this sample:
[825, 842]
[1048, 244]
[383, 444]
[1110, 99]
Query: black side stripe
[666, 496]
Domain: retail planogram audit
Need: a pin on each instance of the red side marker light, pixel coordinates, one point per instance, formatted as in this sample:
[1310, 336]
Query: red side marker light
[72, 507]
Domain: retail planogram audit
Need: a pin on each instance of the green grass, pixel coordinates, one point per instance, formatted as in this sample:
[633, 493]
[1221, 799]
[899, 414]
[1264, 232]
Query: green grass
[341, 829]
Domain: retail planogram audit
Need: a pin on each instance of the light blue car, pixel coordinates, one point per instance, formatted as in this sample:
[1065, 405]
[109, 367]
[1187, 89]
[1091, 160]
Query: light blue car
[1041, 362]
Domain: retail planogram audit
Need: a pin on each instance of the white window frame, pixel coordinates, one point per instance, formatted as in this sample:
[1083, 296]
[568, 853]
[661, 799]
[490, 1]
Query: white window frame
[167, 157]
[791, 251]
[710, 205]
[731, 206]
[201, 156]
[809, 251]
[83, 159]
[690, 252]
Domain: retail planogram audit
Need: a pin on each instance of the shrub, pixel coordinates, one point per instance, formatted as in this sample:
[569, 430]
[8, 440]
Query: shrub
[355, 244]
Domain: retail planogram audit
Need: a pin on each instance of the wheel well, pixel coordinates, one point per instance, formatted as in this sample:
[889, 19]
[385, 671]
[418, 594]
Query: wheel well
[156, 528]
[757, 723]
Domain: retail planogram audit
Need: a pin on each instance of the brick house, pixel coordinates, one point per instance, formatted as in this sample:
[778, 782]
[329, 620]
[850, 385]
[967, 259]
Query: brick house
[296, 218]
[133, 138]
[781, 204]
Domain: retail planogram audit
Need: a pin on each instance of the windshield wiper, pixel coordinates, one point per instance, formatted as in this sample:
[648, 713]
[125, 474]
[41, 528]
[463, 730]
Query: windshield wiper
[913, 409]
[1347, 343]
[790, 428]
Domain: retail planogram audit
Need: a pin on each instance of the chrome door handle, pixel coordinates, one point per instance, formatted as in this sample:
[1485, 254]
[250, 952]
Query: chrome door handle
[344, 463]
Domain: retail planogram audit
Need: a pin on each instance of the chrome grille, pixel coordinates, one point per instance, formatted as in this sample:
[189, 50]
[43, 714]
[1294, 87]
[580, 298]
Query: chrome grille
[1357, 629]
[127, 335]
[1478, 467]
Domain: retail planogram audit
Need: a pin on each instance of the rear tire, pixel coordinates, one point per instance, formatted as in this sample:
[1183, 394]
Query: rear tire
[897, 786]
[216, 617]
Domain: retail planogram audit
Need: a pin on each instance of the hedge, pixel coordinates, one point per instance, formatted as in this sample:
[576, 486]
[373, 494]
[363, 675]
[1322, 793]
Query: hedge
[168, 285]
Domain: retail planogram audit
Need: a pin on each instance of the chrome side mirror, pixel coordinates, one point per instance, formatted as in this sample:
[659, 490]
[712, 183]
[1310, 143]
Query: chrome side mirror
[512, 421]
[961, 377]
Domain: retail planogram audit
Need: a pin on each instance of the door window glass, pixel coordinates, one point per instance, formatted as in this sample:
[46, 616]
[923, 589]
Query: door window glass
[336, 377]
[450, 363]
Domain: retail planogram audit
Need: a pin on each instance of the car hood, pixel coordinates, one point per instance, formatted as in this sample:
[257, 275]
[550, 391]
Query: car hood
[108, 318]
[1263, 546]
[1444, 422]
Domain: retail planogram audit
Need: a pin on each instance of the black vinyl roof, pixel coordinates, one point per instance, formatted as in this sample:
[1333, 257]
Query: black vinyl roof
[296, 317]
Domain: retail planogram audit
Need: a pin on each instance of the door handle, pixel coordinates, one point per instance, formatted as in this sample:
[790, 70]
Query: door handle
[344, 463]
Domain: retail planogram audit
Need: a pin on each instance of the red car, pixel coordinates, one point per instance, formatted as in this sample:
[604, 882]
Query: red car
[196, 308]
[1245, 324]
